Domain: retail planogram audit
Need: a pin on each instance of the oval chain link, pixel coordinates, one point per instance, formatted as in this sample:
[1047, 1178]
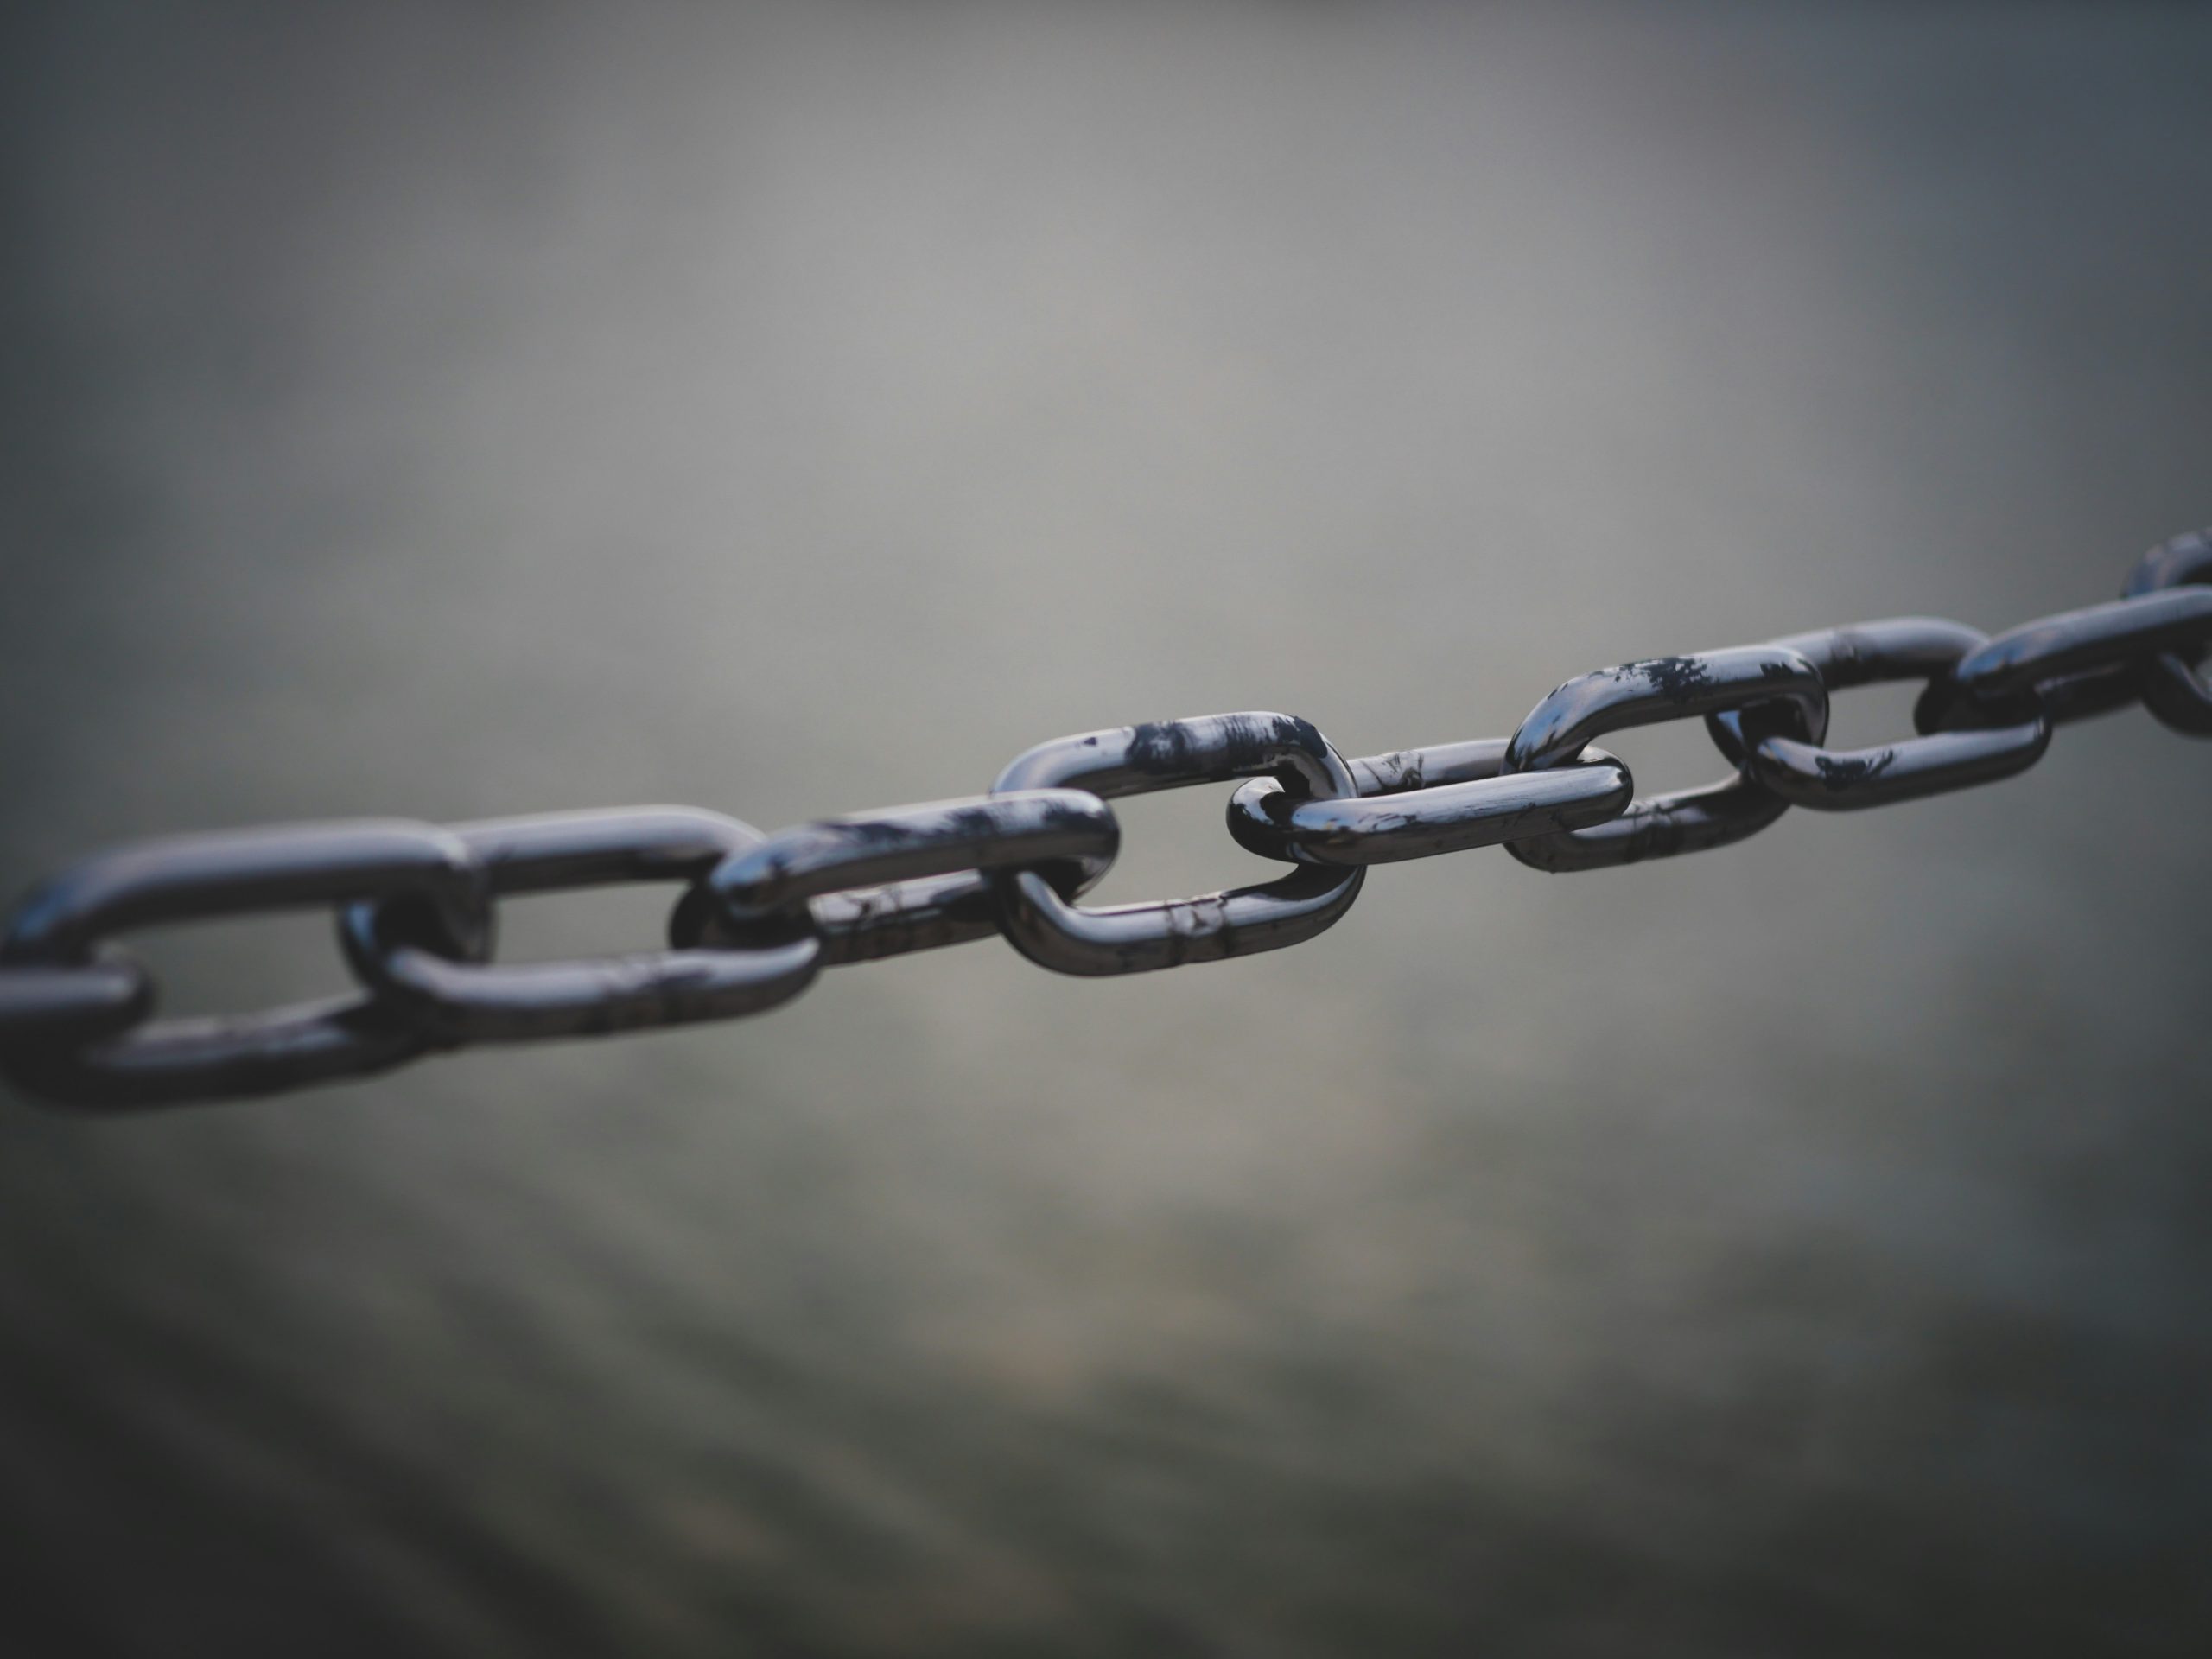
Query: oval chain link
[1775, 689]
[2070, 666]
[882, 884]
[454, 997]
[1055, 933]
[1827, 781]
[201, 878]
[1421, 802]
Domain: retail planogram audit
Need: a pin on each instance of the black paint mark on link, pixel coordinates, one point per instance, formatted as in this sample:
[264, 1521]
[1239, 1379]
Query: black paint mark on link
[1056, 933]
[1772, 687]
[879, 884]
[1421, 802]
[1898, 648]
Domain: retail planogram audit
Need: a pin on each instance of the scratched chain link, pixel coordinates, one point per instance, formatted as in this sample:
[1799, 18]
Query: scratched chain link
[758, 917]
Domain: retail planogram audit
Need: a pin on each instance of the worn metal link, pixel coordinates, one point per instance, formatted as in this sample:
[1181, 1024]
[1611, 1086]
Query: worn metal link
[2072, 665]
[198, 878]
[1901, 648]
[758, 917]
[1171, 755]
[454, 996]
[888, 866]
[1775, 690]
[1420, 803]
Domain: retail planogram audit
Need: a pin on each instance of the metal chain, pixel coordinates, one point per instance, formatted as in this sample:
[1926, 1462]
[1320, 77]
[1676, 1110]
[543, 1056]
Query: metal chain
[760, 916]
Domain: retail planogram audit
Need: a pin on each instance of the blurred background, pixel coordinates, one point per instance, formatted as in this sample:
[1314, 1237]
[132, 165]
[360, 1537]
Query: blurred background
[1800, 1247]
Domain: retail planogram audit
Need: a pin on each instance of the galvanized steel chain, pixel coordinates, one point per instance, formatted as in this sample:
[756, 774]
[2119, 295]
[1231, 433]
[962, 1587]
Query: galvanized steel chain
[758, 917]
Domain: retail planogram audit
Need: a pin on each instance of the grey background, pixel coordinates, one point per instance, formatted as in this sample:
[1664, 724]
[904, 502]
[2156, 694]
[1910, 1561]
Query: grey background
[1796, 1249]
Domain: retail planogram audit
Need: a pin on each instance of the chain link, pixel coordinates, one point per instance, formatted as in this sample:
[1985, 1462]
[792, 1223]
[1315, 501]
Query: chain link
[1775, 686]
[1902, 648]
[455, 997]
[760, 916]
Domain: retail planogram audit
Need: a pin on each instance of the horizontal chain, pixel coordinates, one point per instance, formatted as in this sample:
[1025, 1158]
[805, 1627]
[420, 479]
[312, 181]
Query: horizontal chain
[758, 917]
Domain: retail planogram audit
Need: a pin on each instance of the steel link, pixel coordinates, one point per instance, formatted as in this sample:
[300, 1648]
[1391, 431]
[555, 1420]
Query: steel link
[889, 864]
[2171, 684]
[759, 917]
[1137, 760]
[197, 878]
[1421, 802]
[453, 998]
[1775, 690]
[1901, 648]
[2073, 665]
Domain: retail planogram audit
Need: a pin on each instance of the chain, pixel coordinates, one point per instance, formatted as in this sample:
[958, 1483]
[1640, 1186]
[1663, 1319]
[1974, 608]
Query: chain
[760, 916]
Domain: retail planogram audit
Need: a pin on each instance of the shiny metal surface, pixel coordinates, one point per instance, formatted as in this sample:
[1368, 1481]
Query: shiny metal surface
[1421, 802]
[1660, 826]
[452, 999]
[2076, 663]
[2170, 684]
[1172, 754]
[1776, 688]
[888, 882]
[1867, 653]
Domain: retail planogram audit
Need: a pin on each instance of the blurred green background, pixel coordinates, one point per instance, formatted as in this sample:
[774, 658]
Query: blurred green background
[1802, 1247]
